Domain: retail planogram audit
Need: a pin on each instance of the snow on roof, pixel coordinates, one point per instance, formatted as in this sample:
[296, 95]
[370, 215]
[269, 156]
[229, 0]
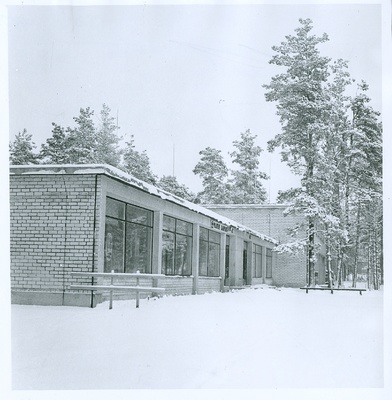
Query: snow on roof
[253, 206]
[125, 177]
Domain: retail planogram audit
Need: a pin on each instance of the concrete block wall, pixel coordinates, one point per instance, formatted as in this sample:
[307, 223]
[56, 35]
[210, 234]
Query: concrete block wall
[208, 285]
[290, 270]
[52, 233]
[176, 285]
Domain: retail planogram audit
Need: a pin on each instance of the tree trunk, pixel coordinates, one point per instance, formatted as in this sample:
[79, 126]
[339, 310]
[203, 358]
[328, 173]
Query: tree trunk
[311, 252]
[339, 265]
[356, 248]
[369, 269]
[328, 255]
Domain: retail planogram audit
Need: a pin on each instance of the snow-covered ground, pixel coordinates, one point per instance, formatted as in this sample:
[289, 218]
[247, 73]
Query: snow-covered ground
[252, 338]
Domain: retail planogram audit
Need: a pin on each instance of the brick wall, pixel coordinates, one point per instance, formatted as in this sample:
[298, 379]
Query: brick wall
[52, 231]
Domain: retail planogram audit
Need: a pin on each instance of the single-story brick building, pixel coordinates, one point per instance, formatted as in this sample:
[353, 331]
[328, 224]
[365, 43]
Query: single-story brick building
[270, 218]
[96, 218]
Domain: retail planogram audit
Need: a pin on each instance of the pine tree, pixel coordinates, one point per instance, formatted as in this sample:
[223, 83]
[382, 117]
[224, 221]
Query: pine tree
[246, 186]
[21, 150]
[171, 185]
[56, 148]
[367, 181]
[82, 139]
[107, 140]
[137, 163]
[214, 173]
[302, 107]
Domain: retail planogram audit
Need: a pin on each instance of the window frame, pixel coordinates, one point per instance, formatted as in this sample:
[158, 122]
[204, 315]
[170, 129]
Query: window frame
[208, 242]
[126, 228]
[177, 234]
[268, 263]
[257, 253]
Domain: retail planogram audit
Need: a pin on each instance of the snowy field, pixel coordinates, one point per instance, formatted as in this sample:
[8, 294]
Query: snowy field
[253, 338]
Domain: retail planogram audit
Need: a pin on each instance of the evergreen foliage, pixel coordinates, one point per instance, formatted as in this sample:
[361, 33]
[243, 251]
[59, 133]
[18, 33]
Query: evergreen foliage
[22, 150]
[334, 143]
[55, 150]
[246, 186]
[137, 163]
[171, 185]
[214, 173]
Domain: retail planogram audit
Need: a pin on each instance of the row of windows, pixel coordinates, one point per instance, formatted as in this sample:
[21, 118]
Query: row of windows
[128, 244]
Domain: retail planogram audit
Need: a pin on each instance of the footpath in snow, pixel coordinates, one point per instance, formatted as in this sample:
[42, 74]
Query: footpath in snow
[252, 338]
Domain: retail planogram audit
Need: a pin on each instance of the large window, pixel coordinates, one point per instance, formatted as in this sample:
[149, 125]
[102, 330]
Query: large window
[268, 267]
[176, 247]
[209, 252]
[257, 261]
[128, 237]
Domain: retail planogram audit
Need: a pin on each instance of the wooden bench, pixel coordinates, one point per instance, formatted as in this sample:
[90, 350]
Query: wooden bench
[360, 290]
[125, 288]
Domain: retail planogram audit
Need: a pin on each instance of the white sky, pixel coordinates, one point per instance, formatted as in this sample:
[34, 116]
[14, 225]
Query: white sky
[187, 76]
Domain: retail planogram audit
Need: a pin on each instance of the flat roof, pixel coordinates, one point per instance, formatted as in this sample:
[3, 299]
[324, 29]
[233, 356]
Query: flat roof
[104, 169]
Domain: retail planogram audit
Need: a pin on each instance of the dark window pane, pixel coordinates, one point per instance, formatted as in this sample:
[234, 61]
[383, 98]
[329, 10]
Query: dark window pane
[139, 215]
[203, 256]
[257, 249]
[114, 245]
[169, 224]
[268, 270]
[183, 258]
[184, 227]
[115, 208]
[213, 259]
[258, 265]
[214, 237]
[203, 233]
[138, 248]
[168, 253]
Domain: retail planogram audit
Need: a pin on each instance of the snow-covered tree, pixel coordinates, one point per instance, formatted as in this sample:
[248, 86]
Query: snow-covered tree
[301, 106]
[82, 139]
[367, 183]
[21, 150]
[246, 184]
[55, 149]
[214, 173]
[107, 140]
[337, 156]
[171, 185]
[86, 142]
[137, 163]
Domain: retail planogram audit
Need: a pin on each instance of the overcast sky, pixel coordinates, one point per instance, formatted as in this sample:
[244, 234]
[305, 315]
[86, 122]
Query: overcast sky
[188, 76]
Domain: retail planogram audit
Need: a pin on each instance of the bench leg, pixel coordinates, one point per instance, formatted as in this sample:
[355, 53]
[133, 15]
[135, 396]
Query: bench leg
[307, 290]
[331, 291]
[111, 293]
[137, 299]
[111, 300]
